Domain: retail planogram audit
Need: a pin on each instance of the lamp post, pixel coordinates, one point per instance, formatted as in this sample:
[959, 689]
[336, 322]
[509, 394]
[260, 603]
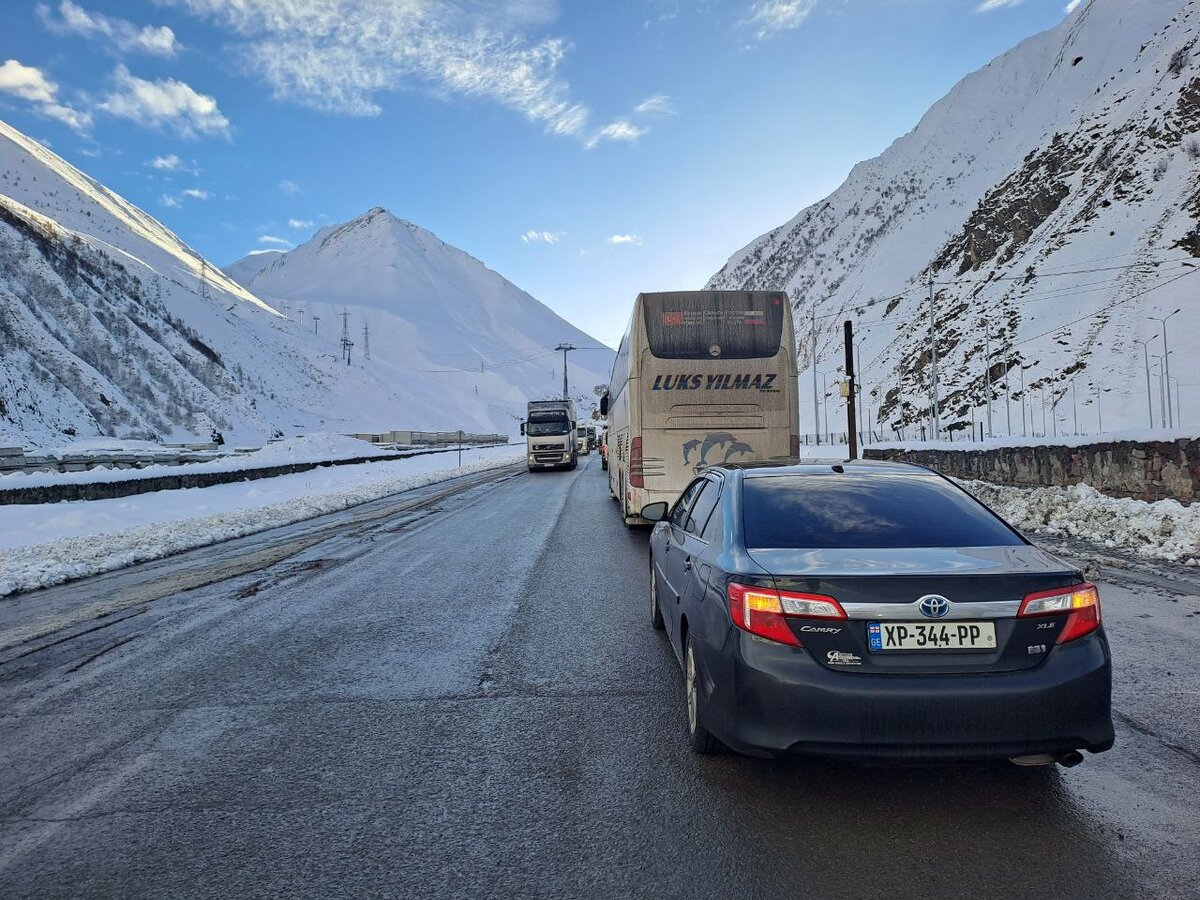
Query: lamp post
[1149, 395]
[825, 403]
[1167, 363]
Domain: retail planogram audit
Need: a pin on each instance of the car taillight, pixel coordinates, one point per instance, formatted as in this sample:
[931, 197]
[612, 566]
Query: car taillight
[794, 446]
[636, 475]
[765, 611]
[1081, 602]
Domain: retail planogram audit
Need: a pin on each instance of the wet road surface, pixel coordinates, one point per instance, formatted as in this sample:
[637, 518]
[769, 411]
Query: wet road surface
[457, 693]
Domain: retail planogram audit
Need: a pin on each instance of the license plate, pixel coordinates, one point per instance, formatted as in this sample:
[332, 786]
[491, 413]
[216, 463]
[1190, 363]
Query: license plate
[931, 636]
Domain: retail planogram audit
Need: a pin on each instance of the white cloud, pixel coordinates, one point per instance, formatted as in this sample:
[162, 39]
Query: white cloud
[769, 17]
[1073, 5]
[74, 19]
[168, 163]
[341, 55]
[300, 223]
[543, 237]
[659, 103]
[289, 187]
[30, 83]
[166, 102]
[620, 130]
[271, 239]
[172, 202]
[196, 194]
[625, 239]
[989, 5]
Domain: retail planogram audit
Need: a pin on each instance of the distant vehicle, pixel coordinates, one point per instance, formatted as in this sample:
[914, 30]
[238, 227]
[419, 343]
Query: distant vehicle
[701, 378]
[549, 430]
[603, 445]
[582, 444]
[873, 610]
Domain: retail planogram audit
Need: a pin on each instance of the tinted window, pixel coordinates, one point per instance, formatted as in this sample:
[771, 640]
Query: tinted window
[680, 510]
[714, 325]
[825, 511]
[703, 507]
[712, 528]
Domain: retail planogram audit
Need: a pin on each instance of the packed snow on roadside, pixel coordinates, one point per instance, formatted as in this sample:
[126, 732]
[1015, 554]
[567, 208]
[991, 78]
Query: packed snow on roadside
[1163, 530]
[1135, 435]
[47, 544]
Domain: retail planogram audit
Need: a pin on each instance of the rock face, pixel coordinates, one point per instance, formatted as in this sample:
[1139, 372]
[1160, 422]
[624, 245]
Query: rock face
[1142, 470]
[1054, 199]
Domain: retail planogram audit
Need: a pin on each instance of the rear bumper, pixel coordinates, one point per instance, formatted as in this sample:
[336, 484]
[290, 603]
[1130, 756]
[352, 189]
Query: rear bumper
[766, 699]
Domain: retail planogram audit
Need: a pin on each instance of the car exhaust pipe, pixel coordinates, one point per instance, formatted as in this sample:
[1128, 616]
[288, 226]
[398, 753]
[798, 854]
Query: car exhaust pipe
[1069, 760]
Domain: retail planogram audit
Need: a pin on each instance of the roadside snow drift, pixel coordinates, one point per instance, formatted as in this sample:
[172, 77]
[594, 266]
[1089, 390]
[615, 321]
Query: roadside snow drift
[46, 545]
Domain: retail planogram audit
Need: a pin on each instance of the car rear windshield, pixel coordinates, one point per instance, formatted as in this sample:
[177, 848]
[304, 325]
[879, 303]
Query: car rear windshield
[875, 511]
[728, 325]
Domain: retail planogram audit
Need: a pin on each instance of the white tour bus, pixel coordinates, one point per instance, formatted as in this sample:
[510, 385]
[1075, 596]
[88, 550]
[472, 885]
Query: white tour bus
[701, 377]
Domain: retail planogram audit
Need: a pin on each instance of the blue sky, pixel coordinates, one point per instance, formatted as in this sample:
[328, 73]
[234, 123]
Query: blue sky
[585, 149]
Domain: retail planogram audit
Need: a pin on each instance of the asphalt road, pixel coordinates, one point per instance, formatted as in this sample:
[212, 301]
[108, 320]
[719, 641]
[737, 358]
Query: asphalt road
[457, 693]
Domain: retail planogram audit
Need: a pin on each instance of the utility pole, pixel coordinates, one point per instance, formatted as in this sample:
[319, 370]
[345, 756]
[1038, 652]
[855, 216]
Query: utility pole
[1007, 395]
[1074, 408]
[862, 421]
[1170, 417]
[1162, 397]
[1099, 410]
[816, 404]
[565, 348]
[933, 381]
[346, 342]
[316, 322]
[851, 388]
[987, 365]
[1043, 393]
[1024, 427]
[203, 278]
[366, 341]
[301, 314]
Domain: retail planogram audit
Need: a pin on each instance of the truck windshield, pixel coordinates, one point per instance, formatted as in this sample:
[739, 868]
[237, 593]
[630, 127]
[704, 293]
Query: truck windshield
[545, 429]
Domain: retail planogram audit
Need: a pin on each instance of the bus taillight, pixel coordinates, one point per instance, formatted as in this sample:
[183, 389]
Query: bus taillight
[636, 476]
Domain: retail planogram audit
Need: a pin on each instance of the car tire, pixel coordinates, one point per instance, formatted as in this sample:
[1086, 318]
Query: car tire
[699, 737]
[656, 618]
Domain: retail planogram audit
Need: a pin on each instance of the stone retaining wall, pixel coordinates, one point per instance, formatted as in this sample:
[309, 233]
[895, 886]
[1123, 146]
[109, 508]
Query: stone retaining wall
[1153, 470]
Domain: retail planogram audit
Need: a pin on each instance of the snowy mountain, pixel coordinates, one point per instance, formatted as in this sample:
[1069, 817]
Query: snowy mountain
[425, 307]
[1054, 198]
[110, 325]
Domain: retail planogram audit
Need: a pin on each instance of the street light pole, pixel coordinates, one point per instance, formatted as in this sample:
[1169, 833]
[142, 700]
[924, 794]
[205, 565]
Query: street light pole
[933, 381]
[1162, 397]
[1167, 363]
[1074, 408]
[987, 367]
[1024, 426]
[1149, 395]
[816, 403]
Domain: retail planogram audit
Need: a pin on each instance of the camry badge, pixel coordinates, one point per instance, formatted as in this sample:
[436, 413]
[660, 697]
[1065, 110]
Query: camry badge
[933, 606]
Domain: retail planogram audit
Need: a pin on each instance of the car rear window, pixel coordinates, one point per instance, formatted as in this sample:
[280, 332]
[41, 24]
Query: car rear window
[878, 511]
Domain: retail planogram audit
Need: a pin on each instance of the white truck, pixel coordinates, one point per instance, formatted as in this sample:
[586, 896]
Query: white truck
[549, 430]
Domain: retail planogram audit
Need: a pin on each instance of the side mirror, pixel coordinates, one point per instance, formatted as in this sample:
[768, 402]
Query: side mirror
[522, 428]
[604, 404]
[655, 512]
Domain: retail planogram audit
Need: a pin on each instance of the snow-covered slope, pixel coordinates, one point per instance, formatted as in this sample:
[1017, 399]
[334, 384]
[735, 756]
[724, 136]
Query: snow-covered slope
[1054, 196]
[111, 325]
[428, 308]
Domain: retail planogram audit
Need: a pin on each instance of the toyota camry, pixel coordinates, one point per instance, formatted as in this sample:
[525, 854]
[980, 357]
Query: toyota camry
[873, 610]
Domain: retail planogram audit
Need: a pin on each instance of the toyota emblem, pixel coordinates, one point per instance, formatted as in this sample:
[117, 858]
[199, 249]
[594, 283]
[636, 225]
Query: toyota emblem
[933, 606]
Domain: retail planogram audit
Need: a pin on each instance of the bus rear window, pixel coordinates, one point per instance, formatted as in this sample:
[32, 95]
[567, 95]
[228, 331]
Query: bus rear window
[705, 325]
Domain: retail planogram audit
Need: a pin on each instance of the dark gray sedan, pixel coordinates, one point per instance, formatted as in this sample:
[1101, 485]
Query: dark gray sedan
[873, 610]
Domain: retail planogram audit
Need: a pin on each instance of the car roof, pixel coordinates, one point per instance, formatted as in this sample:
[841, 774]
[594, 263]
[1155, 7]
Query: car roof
[866, 468]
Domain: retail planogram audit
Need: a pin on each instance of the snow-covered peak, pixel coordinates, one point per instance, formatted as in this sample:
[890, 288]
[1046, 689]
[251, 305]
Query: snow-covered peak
[1052, 196]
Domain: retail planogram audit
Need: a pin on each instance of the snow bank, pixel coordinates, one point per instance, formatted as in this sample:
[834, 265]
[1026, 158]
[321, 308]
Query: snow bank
[307, 449]
[48, 544]
[1164, 530]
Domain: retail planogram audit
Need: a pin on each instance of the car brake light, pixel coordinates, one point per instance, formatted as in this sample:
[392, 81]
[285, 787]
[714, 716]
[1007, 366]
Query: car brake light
[765, 611]
[1081, 602]
[636, 475]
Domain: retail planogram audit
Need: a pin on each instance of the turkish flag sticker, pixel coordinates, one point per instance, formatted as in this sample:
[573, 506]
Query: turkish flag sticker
[672, 318]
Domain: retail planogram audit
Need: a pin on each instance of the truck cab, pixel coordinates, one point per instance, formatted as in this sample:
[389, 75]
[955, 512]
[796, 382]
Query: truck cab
[550, 435]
